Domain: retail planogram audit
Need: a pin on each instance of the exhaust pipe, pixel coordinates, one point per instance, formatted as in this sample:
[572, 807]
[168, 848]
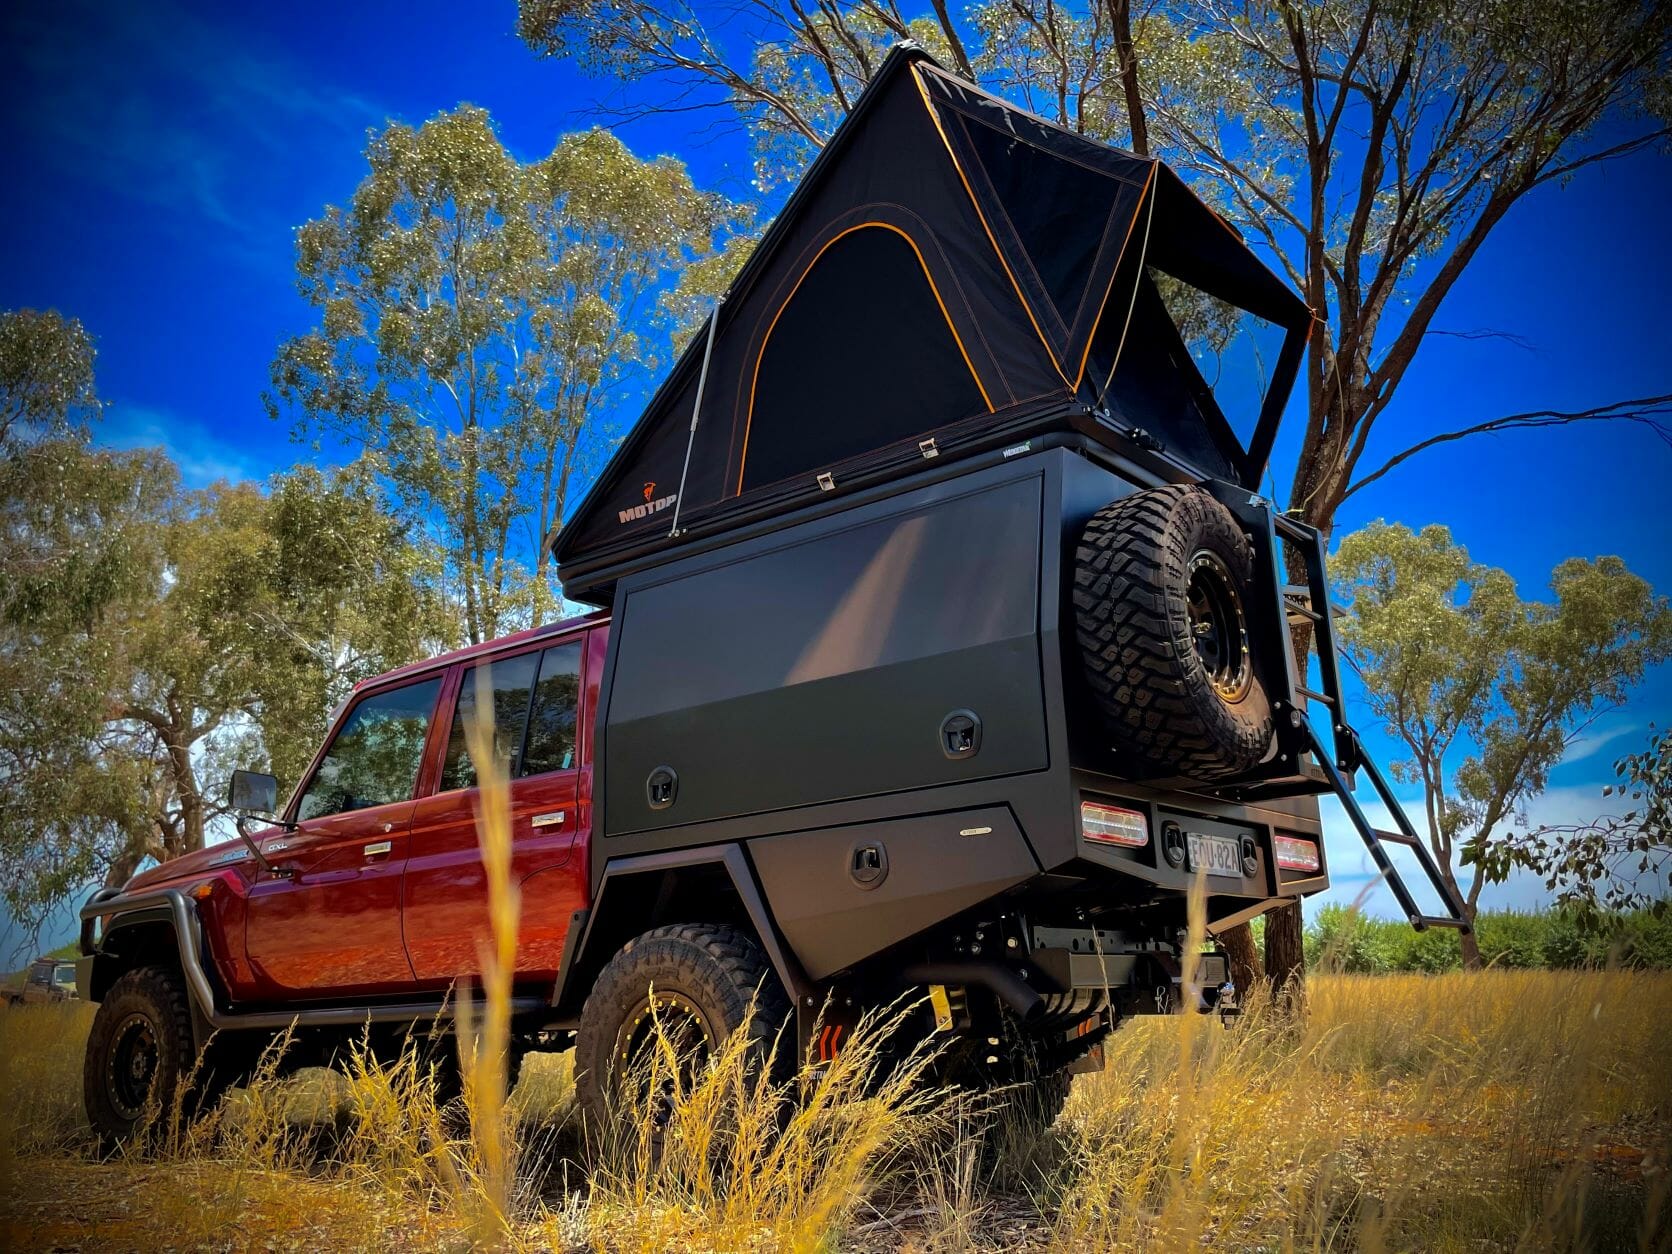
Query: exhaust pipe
[997, 979]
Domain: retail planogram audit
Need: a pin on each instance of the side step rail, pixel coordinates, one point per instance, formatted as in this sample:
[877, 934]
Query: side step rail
[1373, 838]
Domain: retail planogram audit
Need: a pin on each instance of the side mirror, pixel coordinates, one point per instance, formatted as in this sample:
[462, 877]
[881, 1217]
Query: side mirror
[254, 793]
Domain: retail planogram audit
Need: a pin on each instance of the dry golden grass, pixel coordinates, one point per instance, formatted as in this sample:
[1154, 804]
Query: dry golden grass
[1502, 1110]
[1497, 1110]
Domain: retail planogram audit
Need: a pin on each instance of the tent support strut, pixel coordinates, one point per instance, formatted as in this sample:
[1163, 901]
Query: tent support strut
[696, 413]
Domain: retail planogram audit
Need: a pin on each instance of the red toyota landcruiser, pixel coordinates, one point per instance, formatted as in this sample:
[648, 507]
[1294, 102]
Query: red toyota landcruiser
[365, 903]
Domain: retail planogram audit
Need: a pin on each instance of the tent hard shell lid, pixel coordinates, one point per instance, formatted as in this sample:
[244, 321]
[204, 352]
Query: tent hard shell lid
[951, 275]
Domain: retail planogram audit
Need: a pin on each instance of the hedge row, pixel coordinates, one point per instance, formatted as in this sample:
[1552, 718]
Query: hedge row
[1341, 939]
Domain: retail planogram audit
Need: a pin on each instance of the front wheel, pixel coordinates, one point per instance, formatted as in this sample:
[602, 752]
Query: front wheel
[139, 1052]
[694, 985]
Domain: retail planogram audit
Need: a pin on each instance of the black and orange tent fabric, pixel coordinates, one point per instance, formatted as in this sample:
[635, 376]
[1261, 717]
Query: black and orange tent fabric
[951, 268]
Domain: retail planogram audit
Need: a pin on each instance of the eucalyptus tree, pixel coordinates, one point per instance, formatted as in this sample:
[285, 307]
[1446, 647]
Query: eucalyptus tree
[46, 376]
[152, 638]
[1369, 147]
[477, 318]
[1615, 863]
[1487, 692]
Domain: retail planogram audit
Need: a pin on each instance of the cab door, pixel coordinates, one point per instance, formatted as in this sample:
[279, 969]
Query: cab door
[536, 695]
[330, 924]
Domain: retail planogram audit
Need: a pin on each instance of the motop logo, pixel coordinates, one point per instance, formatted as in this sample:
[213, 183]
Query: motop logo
[653, 504]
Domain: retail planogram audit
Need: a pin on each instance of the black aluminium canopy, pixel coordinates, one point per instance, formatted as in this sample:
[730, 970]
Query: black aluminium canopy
[950, 263]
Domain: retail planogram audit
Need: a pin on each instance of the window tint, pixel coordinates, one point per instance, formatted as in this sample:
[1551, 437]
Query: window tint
[374, 759]
[551, 728]
[510, 679]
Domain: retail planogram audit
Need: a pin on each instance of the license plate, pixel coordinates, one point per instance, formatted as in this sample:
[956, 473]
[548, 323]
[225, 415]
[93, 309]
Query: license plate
[1220, 855]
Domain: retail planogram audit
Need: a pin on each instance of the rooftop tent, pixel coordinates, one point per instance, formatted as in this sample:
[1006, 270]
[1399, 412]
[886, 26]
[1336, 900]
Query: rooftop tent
[950, 267]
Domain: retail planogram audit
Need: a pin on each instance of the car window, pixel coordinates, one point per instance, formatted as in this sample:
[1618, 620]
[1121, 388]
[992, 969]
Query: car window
[551, 726]
[375, 757]
[510, 680]
[65, 973]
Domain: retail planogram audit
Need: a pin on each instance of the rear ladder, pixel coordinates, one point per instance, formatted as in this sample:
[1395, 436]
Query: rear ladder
[1293, 606]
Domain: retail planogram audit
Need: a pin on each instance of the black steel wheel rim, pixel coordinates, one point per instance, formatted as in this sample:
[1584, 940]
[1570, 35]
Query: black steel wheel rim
[131, 1067]
[681, 1025]
[1217, 627]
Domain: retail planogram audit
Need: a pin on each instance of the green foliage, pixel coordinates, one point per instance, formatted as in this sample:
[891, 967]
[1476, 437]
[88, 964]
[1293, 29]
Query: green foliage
[1340, 938]
[1620, 861]
[476, 316]
[46, 376]
[153, 638]
[1484, 690]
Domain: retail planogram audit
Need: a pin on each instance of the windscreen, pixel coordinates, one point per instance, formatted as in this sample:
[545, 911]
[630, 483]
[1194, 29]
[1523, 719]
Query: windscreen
[1234, 351]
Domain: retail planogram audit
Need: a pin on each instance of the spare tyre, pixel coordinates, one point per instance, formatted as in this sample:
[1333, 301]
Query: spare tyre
[1161, 579]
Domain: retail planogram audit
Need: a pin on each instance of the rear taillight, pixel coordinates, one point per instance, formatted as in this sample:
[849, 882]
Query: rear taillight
[1110, 825]
[1295, 854]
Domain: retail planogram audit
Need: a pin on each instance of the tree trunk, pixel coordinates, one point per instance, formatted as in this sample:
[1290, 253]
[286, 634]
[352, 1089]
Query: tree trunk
[1470, 944]
[1244, 956]
[124, 865]
[1120, 16]
[1285, 953]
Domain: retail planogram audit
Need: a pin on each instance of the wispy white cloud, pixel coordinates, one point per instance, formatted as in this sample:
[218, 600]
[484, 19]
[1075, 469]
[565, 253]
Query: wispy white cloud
[1596, 740]
[159, 105]
[203, 456]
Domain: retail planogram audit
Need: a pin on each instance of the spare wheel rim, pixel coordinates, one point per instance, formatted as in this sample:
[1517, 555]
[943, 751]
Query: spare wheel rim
[1218, 630]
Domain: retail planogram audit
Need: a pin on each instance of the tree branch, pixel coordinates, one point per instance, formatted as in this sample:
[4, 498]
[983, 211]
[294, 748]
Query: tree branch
[1649, 411]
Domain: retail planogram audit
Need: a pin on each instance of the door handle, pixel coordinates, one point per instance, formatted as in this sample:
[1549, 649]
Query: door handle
[552, 819]
[378, 848]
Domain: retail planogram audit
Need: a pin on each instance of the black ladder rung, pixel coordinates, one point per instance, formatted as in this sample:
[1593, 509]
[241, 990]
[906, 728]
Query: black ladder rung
[1293, 592]
[1313, 695]
[1440, 920]
[1291, 529]
[1398, 838]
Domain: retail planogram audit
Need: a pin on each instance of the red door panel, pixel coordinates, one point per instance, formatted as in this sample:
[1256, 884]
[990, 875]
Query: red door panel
[446, 894]
[537, 694]
[333, 927]
[330, 924]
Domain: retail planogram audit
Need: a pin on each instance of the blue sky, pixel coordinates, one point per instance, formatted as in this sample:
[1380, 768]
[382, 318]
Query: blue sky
[158, 157]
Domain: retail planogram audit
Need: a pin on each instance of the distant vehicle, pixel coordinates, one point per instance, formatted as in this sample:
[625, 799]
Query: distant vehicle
[944, 656]
[48, 979]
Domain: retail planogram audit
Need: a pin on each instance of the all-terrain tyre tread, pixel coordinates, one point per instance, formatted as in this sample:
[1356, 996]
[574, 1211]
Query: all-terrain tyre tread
[737, 971]
[166, 992]
[1133, 632]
